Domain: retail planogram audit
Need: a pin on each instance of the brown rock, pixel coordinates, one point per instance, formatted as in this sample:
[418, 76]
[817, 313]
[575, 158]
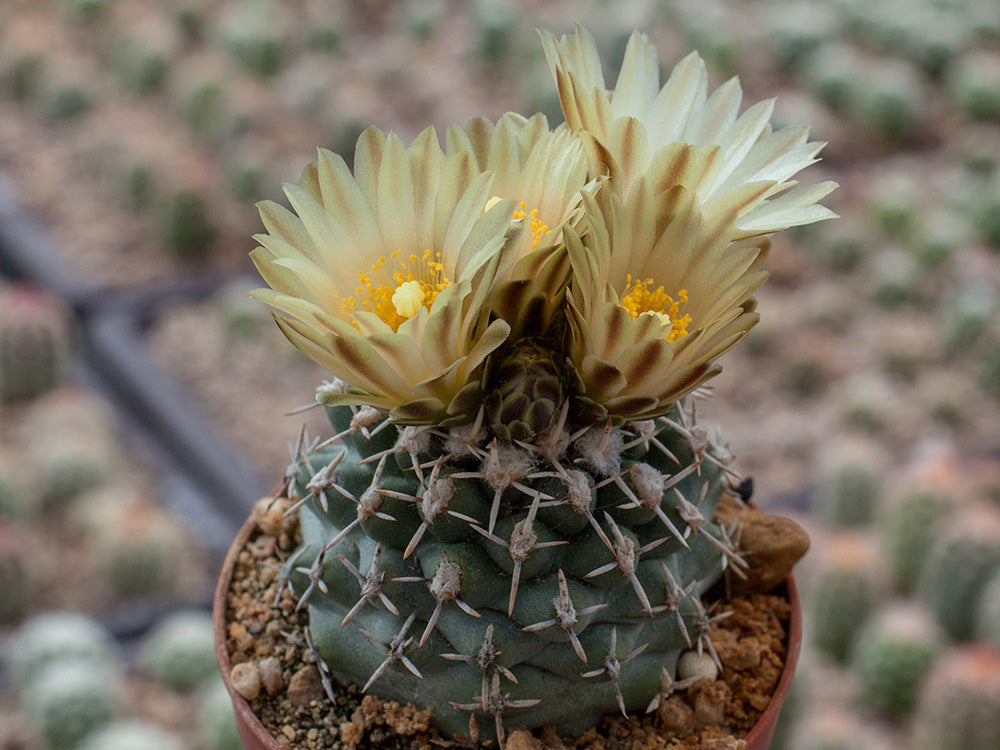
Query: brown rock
[246, 680]
[710, 703]
[771, 546]
[520, 739]
[305, 686]
[269, 513]
[270, 675]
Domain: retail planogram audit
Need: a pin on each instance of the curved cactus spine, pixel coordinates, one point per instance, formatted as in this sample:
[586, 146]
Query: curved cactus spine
[425, 550]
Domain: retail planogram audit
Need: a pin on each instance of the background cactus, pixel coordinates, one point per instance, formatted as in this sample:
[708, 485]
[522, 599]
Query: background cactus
[56, 637]
[34, 342]
[960, 702]
[891, 657]
[69, 700]
[959, 563]
[130, 735]
[180, 651]
[844, 591]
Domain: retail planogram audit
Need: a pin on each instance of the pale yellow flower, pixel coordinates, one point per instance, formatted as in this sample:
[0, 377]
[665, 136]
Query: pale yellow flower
[382, 275]
[683, 135]
[544, 172]
[659, 291]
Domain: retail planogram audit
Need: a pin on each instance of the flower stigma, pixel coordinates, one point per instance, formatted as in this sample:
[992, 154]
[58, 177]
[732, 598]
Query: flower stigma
[396, 296]
[640, 298]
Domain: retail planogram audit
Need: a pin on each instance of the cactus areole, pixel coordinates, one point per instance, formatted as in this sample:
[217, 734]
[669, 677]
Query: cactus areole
[513, 517]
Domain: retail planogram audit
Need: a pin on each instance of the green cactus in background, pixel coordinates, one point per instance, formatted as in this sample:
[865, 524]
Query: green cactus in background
[215, 722]
[844, 592]
[69, 700]
[960, 561]
[57, 637]
[891, 657]
[15, 584]
[849, 483]
[907, 528]
[180, 650]
[974, 85]
[34, 343]
[130, 735]
[988, 616]
[959, 705]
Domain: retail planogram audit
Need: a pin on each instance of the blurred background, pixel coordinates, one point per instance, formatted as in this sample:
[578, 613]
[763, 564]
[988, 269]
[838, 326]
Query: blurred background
[144, 398]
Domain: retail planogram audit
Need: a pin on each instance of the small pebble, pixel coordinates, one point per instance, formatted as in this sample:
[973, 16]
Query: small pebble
[305, 686]
[270, 675]
[693, 664]
[246, 680]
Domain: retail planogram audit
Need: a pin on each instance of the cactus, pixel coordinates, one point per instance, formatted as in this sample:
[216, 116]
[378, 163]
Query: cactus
[960, 702]
[15, 587]
[254, 33]
[130, 735]
[959, 563]
[69, 700]
[57, 637]
[891, 104]
[34, 343]
[974, 85]
[188, 229]
[216, 725]
[988, 615]
[457, 562]
[845, 588]
[179, 652]
[514, 516]
[891, 657]
[907, 528]
[135, 546]
[18, 495]
[848, 489]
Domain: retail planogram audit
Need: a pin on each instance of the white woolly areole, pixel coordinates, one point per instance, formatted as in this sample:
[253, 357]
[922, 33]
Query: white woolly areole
[506, 465]
[447, 581]
[413, 440]
[463, 441]
[647, 483]
[369, 503]
[578, 490]
[436, 498]
[601, 449]
[522, 540]
[366, 416]
[644, 429]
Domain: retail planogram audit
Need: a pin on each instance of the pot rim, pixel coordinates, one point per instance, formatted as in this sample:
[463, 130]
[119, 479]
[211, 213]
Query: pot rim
[256, 737]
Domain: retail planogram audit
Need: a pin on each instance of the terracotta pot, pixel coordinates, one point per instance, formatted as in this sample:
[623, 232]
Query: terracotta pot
[256, 737]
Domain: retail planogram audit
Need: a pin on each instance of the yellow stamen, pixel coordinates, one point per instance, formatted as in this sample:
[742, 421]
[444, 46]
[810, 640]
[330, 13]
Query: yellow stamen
[538, 228]
[640, 298]
[398, 295]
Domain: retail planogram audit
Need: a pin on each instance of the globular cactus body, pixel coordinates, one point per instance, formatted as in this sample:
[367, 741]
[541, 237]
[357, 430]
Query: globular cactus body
[179, 651]
[69, 701]
[960, 702]
[130, 735]
[438, 566]
[34, 343]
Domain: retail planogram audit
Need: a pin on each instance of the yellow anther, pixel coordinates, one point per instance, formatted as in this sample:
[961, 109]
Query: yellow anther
[641, 299]
[397, 292]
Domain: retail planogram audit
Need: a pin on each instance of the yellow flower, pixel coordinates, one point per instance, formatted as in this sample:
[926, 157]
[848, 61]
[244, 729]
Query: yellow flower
[659, 291]
[681, 135]
[382, 276]
[545, 172]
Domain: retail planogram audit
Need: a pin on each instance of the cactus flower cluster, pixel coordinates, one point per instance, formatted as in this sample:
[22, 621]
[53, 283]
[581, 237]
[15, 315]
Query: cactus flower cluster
[514, 517]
